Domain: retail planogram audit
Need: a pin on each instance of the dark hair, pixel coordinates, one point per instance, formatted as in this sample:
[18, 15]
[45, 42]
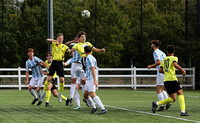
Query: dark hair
[156, 42]
[30, 50]
[48, 54]
[60, 34]
[88, 49]
[170, 49]
[81, 33]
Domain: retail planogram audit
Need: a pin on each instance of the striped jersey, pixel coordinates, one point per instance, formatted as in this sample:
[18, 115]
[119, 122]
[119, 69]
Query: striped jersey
[70, 61]
[158, 55]
[76, 57]
[34, 66]
[91, 62]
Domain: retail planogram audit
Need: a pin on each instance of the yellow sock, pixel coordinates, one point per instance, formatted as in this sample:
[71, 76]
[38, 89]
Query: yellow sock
[61, 87]
[45, 85]
[48, 95]
[165, 101]
[181, 102]
[63, 97]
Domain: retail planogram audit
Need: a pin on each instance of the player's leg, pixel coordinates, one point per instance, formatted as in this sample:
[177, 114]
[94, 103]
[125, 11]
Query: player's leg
[48, 94]
[38, 88]
[77, 97]
[182, 102]
[90, 101]
[32, 92]
[159, 89]
[45, 89]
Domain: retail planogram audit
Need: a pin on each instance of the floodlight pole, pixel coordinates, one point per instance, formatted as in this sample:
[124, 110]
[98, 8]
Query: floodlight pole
[50, 21]
[2, 29]
[95, 44]
[141, 31]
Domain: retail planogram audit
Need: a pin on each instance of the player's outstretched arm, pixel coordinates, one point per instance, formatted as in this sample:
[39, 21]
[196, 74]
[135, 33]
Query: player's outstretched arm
[42, 63]
[27, 78]
[98, 50]
[158, 62]
[94, 75]
[179, 68]
[161, 70]
[51, 40]
[76, 40]
[45, 73]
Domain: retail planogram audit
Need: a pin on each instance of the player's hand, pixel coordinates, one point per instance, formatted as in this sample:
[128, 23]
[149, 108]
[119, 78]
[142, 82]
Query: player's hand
[184, 73]
[26, 83]
[56, 43]
[149, 66]
[76, 39]
[95, 83]
[103, 50]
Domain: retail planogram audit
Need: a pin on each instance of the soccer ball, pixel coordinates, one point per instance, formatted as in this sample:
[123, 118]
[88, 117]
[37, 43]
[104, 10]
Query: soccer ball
[85, 13]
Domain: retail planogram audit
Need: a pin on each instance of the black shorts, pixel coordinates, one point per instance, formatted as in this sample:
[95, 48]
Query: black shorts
[172, 86]
[83, 62]
[54, 81]
[56, 66]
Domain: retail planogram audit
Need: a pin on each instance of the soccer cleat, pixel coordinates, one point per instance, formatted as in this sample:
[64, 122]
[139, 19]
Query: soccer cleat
[33, 102]
[84, 100]
[93, 110]
[168, 105]
[39, 103]
[161, 108]
[47, 104]
[77, 108]
[154, 106]
[67, 101]
[103, 111]
[71, 102]
[184, 114]
[59, 98]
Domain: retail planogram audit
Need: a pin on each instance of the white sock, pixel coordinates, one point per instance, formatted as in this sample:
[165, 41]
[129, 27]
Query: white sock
[98, 102]
[33, 93]
[43, 95]
[39, 95]
[90, 102]
[160, 97]
[83, 88]
[72, 90]
[77, 98]
[164, 94]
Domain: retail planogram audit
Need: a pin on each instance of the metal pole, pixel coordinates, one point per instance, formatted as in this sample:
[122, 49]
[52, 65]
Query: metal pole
[95, 44]
[141, 29]
[50, 21]
[2, 29]
[198, 19]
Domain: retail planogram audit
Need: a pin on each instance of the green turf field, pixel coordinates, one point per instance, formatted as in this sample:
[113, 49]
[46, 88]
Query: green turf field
[124, 105]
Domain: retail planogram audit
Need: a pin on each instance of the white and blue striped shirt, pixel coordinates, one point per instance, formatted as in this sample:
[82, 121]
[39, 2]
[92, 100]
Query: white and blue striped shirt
[91, 62]
[76, 57]
[158, 55]
[69, 61]
[34, 66]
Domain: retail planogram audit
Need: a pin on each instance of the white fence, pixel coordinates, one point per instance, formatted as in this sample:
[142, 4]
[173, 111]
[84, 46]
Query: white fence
[130, 73]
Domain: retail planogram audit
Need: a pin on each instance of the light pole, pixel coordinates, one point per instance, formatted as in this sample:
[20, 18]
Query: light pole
[50, 21]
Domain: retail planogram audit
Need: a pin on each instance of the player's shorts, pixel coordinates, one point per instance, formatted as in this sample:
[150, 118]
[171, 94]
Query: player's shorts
[77, 70]
[56, 66]
[83, 62]
[54, 82]
[172, 86]
[90, 86]
[36, 82]
[159, 79]
[78, 80]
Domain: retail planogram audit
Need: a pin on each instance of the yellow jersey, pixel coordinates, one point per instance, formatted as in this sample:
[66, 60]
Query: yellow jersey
[58, 52]
[80, 47]
[169, 69]
[55, 75]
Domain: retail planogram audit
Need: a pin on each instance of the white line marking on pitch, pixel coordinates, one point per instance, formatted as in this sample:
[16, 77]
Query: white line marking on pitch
[153, 114]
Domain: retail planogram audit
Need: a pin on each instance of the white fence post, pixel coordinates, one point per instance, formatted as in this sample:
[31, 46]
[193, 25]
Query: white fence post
[132, 77]
[135, 83]
[19, 78]
[193, 79]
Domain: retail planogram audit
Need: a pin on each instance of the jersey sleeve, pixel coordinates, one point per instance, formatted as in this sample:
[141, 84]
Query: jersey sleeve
[75, 46]
[27, 68]
[89, 44]
[90, 62]
[37, 59]
[156, 56]
[175, 59]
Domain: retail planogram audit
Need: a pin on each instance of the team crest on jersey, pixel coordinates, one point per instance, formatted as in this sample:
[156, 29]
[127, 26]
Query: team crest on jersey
[62, 46]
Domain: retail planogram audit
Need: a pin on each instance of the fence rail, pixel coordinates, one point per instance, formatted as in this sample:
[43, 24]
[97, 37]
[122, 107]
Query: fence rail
[132, 74]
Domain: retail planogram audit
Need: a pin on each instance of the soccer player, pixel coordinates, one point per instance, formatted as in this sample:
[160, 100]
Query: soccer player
[34, 63]
[172, 85]
[50, 87]
[91, 82]
[158, 58]
[58, 53]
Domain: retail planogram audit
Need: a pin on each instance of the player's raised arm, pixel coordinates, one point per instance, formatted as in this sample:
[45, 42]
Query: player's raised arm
[98, 50]
[51, 40]
[158, 62]
[42, 63]
[179, 68]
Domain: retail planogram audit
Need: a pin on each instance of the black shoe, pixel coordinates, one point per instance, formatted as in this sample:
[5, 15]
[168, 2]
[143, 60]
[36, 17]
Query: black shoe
[161, 108]
[39, 103]
[93, 110]
[168, 105]
[154, 106]
[103, 111]
[184, 114]
[67, 101]
[71, 102]
[84, 100]
[47, 104]
[36, 99]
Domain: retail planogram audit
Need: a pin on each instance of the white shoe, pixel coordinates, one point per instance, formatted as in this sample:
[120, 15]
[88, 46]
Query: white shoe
[59, 98]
